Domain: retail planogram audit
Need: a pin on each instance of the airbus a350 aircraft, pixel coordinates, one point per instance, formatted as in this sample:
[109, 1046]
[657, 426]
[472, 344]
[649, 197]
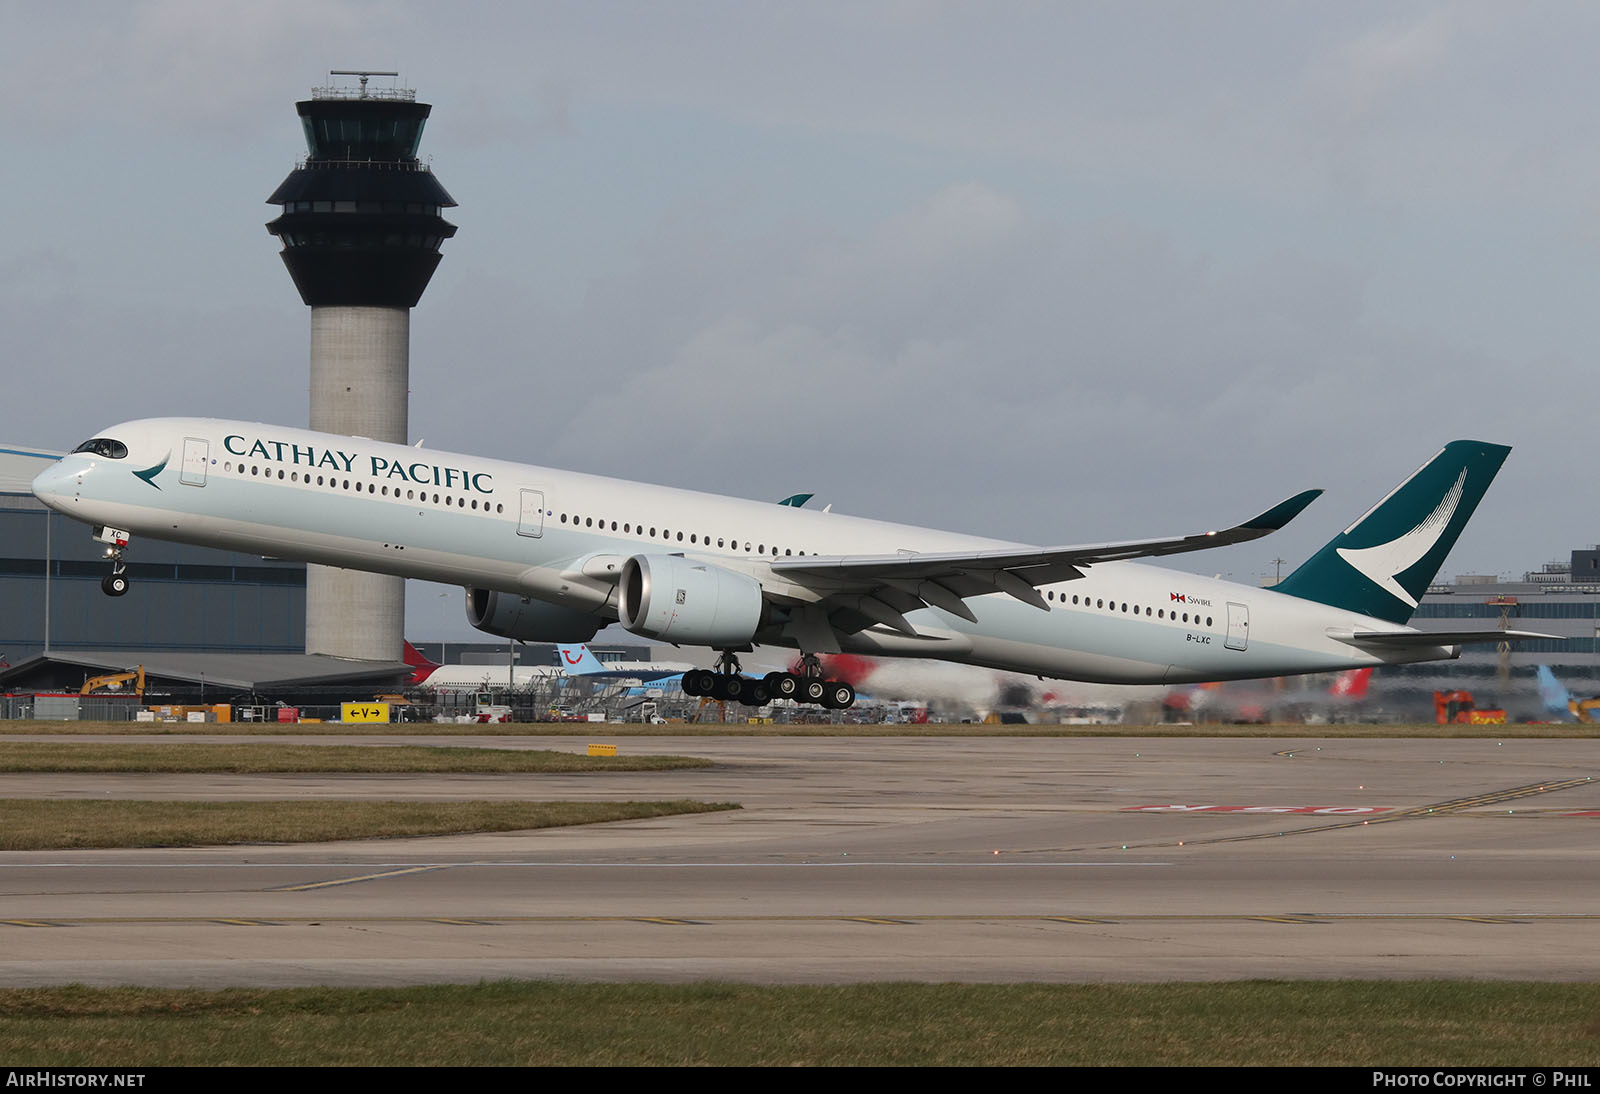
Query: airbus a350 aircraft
[551, 556]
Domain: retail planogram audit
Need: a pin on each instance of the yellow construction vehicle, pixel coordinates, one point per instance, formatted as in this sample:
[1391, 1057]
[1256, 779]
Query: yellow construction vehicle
[114, 682]
[1582, 708]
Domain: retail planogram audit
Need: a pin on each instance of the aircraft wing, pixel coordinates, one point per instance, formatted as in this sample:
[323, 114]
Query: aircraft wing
[881, 588]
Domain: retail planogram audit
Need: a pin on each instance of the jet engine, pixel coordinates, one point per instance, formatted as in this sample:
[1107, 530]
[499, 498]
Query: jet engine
[674, 599]
[527, 619]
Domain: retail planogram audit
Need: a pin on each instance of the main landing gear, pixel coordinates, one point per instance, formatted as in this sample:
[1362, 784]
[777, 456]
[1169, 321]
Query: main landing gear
[116, 582]
[728, 684]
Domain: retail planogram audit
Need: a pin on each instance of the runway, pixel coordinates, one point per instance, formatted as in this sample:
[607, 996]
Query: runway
[868, 859]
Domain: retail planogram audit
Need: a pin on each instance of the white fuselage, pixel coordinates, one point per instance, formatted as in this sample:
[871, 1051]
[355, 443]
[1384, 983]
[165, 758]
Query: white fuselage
[557, 536]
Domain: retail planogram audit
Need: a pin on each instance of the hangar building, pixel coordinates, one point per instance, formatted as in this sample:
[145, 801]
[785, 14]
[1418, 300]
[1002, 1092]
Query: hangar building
[198, 599]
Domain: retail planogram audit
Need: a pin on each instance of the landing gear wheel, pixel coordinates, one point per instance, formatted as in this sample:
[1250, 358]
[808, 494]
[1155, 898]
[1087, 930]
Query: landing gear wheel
[841, 696]
[114, 584]
[783, 685]
[698, 682]
[757, 694]
[732, 687]
[814, 691]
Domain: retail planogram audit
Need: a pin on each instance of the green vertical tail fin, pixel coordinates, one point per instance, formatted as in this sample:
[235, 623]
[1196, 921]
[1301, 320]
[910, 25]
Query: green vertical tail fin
[1383, 563]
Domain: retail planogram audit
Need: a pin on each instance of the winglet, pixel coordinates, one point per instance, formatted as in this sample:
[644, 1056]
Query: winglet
[1282, 513]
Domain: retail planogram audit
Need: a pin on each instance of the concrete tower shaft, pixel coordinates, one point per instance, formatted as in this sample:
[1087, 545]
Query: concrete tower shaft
[361, 230]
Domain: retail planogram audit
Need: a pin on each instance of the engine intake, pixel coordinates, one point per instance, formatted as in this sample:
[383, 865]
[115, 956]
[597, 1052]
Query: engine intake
[673, 599]
[526, 619]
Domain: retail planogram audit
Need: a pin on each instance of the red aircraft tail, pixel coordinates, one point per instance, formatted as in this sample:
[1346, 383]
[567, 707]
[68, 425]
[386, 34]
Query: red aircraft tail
[423, 668]
[1351, 684]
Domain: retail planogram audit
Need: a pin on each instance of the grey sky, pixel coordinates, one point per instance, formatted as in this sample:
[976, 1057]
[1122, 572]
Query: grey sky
[1057, 272]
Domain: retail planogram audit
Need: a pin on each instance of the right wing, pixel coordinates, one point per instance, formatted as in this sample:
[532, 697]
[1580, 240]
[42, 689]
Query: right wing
[860, 590]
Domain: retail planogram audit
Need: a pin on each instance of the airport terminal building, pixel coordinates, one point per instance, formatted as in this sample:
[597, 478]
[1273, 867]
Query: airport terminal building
[1561, 598]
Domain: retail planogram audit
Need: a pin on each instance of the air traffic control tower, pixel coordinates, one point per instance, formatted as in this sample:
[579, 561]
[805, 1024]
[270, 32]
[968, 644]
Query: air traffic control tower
[361, 232]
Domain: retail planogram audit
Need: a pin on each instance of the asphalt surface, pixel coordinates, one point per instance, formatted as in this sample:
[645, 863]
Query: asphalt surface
[869, 859]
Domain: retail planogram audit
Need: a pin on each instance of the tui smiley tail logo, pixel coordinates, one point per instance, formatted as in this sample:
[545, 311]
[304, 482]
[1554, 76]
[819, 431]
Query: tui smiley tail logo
[149, 474]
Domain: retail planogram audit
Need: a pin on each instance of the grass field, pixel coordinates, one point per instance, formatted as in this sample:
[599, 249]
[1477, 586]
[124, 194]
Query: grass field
[35, 825]
[269, 757]
[1339, 1023]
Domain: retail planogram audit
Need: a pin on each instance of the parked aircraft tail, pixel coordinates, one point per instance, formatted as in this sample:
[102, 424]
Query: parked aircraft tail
[578, 660]
[1382, 564]
[1351, 684]
[1553, 694]
[421, 667]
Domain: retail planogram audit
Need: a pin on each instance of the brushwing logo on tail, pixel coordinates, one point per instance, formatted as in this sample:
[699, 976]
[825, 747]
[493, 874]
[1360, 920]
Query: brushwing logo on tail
[1385, 562]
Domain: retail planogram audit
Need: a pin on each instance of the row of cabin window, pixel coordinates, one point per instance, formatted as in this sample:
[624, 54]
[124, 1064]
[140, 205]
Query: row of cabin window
[694, 537]
[1159, 613]
[337, 484]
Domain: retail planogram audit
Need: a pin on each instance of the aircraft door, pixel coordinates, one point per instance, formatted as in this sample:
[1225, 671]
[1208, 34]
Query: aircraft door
[1238, 626]
[531, 520]
[196, 453]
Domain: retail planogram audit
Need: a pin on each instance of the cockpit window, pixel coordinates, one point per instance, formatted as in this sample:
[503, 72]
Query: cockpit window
[104, 446]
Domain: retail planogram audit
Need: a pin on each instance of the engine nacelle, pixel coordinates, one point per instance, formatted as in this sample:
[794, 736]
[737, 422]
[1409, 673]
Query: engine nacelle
[674, 599]
[527, 619]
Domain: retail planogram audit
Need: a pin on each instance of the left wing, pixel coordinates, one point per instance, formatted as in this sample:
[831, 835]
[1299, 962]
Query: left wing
[882, 588]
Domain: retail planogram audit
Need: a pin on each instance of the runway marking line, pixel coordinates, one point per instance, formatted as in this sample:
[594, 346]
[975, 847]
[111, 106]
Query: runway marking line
[1294, 918]
[1315, 810]
[1454, 805]
[355, 880]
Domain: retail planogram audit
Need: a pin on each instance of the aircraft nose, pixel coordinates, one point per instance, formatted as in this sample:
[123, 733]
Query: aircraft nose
[57, 485]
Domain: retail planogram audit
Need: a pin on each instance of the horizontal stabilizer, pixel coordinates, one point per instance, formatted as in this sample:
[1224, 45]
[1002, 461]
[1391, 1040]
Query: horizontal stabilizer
[1405, 639]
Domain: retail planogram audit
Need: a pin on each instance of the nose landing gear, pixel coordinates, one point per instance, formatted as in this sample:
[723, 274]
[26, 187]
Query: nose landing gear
[116, 540]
